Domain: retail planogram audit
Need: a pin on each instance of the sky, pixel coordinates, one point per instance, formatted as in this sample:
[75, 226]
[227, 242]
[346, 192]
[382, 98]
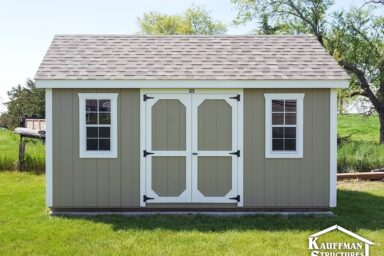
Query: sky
[27, 27]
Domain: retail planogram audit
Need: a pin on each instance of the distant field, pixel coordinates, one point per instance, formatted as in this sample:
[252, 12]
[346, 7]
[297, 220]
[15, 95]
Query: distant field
[359, 149]
[9, 147]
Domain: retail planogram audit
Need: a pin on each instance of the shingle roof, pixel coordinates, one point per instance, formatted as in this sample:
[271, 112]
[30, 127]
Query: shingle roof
[250, 57]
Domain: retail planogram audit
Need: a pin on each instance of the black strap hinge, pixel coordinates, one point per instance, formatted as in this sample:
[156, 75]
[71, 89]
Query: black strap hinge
[237, 198]
[237, 153]
[145, 153]
[237, 97]
[146, 97]
[146, 198]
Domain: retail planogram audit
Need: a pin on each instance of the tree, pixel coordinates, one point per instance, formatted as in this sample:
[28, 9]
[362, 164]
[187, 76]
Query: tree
[354, 38]
[23, 101]
[195, 21]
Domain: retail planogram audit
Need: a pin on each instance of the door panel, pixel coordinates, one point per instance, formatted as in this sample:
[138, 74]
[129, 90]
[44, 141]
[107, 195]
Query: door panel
[214, 125]
[214, 140]
[168, 162]
[168, 125]
[168, 175]
[214, 175]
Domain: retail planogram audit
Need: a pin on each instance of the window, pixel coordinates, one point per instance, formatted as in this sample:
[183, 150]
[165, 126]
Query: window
[284, 125]
[98, 125]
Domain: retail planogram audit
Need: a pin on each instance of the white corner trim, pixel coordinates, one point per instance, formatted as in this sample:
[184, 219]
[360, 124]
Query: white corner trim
[142, 148]
[48, 149]
[240, 145]
[82, 127]
[333, 149]
[174, 84]
[269, 153]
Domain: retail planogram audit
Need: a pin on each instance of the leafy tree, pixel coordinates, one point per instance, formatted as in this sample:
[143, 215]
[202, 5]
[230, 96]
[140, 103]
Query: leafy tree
[23, 101]
[355, 38]
[195, 21]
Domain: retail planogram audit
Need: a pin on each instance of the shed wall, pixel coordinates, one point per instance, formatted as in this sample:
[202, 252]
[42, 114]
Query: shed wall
[268, 183]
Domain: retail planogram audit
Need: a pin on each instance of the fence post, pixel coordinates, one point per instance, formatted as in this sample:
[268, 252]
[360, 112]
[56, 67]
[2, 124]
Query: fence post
[21, 163]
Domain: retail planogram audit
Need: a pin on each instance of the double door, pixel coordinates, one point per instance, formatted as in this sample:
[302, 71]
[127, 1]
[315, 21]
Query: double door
[191, 148]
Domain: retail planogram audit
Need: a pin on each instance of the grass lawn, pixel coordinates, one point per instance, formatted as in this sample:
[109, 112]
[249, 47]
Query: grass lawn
[361, 150]
[26, 229]
[9, 151]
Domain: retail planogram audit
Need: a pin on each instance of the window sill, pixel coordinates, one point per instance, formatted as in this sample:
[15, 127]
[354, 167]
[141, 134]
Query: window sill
[284, 155]
[99, 154]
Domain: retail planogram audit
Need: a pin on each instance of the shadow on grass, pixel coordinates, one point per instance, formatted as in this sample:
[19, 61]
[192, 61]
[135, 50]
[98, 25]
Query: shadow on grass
[356, 210]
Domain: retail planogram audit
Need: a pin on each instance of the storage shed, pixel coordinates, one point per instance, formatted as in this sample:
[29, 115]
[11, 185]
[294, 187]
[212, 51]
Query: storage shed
[207, 123]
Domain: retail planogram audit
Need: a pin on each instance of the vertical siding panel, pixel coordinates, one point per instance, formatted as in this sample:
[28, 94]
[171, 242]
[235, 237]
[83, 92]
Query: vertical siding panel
[294, 182]
[254, 173]
[102, 182]
[78, 164]
[90, 182]
[318, 147]
[66, 147]
[282, 173]
[126, 145]
[306, 172]
[136, 147]
[326, 150]
[270, 182]
[114, 166]
[56, 144]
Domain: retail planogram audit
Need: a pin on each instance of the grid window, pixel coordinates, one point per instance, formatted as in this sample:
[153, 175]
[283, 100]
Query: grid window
[98, 124]
[284, 125]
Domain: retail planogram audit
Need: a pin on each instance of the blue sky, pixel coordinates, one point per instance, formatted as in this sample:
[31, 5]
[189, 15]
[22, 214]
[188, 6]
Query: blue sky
[27, 27]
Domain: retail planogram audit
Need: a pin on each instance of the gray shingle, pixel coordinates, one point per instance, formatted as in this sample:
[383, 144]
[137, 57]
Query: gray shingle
[250, 57]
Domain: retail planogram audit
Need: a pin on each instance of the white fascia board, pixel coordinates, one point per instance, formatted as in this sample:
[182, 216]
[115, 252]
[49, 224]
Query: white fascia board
[288, 84]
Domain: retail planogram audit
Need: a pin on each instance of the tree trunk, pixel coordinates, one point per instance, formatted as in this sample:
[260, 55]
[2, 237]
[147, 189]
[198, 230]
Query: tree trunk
[381, 117]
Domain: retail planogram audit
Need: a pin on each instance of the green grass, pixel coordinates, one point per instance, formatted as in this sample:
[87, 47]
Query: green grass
[26, 228]
[359, 149]
[9, 147]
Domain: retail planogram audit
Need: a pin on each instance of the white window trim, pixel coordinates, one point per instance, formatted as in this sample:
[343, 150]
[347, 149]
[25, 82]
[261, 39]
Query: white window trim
[269, 153]
[112, 153]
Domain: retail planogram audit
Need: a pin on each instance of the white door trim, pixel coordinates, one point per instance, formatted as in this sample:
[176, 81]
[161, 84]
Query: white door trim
[143, 139]
[197, 196]
[185, 197]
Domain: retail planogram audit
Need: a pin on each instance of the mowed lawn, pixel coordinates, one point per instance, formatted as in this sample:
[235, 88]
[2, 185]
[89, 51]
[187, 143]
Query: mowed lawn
[27, 229]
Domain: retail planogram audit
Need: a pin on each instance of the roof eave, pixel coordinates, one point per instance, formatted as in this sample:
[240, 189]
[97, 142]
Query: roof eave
[198, 84]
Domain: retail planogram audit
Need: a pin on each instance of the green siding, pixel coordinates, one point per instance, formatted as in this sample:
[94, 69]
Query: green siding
[116, 183]
[287, 182]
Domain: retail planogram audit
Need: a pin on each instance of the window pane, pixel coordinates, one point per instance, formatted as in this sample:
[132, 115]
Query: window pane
[290, 106]
[290, 132]
[91, 105]
[92, 144]
[91, 118]
[277, 144]
[290, 144]
[105, 118]
[277, 105]
[104, 105]
[277, 118]
[104, 144]
[104, 132]
[277, 132]
[290, 118]
[92, 132]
